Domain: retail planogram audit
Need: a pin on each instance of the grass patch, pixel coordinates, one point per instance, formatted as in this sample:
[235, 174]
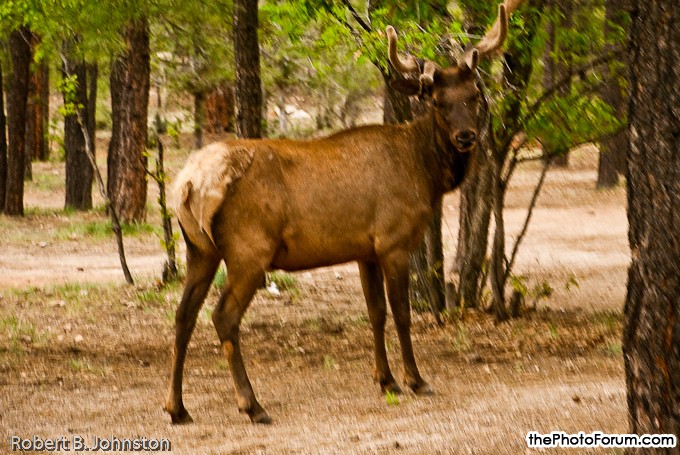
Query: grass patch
[18, 332]
[47, 181]
[102, 229]
[329, 363]
[77, 365]
[285, 282]
[609, 319]
[220, 277]
[461, 342]
[615, 349]
[391, 398]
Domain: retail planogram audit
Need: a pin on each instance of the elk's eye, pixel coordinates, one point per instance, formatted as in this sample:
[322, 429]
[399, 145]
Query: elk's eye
[435, 103]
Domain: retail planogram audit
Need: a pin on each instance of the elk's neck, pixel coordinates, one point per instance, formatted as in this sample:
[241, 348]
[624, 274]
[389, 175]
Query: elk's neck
[443, 164]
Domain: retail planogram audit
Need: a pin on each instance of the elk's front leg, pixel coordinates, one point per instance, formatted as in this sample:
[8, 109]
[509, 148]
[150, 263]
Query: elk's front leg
[395, 267]
[239, 290]
[374, 292]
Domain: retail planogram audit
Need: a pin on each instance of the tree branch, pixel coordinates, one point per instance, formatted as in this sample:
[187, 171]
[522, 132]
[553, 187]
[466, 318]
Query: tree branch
[356, 16]
[601, 59]
[525, 227]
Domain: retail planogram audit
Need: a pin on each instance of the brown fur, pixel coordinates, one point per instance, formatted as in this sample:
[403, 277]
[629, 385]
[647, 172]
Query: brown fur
[364, 194]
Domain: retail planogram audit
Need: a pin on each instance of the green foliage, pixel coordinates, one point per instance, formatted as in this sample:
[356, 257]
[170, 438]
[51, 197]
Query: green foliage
[391, 398]
[102, 229]
[220, 277]
[284, 281]
[68, 85]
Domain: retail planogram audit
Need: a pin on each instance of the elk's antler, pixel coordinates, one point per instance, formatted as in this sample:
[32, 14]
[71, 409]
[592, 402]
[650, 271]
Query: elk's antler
[494, 38]
[410, 63]
[403, 66]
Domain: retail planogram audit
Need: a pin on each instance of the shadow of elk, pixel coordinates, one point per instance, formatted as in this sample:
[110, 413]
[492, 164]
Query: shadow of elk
[365, 194]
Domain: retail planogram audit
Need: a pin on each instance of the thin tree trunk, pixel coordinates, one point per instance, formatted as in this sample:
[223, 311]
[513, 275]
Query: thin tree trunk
[126, 161]
[651, 340]
[20, 51]
[92, 76]
[198, 119]
[3, 142]
[248, 91]
[79, 172]
[497, 277]
[516, 74]
[613, 92]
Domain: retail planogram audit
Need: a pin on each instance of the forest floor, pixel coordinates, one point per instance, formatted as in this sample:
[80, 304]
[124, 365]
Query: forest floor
[83, 354]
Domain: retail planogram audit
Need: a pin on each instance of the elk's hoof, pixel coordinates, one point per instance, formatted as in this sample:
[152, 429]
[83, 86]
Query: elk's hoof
[390, 387]
[422, 389]
[261, 417]
[180, 417]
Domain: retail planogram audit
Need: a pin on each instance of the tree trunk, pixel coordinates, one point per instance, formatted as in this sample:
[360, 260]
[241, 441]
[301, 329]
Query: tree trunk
[651, 341]
[219, 109]
[247, 63]
[516, 74]
[20, 51]
[92, 76]
[37, 112]
[126, 162]
[3, 142]
[613, 92]
[198, 119]
[473, 234]
[79, 172]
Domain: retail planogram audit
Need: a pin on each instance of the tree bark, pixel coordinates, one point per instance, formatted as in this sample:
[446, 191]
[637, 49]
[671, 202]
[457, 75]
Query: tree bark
[92, 76]
[613, 149]
[3, 142]
[37, 112]
[219, 109]
[473, 234]
[20, 51]
[79, 172]
[126, 161]
[248, 91]
[651, 341]
[198, 119]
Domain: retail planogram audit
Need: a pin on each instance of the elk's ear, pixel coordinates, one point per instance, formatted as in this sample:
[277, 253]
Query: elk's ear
[408, 87]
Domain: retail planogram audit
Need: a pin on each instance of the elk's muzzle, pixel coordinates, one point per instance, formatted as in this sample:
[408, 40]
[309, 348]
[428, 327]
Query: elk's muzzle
[464, 140]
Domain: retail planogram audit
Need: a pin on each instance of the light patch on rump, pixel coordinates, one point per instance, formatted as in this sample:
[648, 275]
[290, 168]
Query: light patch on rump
[200, 188]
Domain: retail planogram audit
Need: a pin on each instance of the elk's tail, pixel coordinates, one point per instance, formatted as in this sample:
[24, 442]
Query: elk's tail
[200, 188]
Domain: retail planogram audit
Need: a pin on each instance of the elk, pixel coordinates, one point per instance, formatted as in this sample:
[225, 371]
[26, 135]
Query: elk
[365, 194]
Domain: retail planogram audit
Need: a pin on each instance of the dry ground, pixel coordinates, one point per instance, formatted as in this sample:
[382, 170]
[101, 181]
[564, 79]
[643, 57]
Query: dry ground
[82, 354]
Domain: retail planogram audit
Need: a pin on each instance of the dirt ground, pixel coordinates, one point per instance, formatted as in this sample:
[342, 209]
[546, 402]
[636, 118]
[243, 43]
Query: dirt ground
[82, 354]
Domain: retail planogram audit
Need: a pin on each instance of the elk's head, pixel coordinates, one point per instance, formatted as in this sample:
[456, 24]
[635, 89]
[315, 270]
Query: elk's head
[453, 90]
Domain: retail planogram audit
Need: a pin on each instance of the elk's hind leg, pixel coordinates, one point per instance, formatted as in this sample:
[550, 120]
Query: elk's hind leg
[374, 292]
[242, 282]
[201, 268]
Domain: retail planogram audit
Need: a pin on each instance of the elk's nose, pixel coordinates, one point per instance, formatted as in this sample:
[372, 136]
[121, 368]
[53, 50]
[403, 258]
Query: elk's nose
[466, 138]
